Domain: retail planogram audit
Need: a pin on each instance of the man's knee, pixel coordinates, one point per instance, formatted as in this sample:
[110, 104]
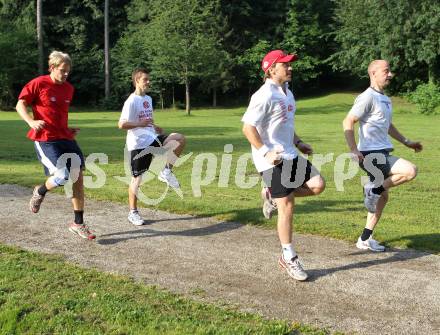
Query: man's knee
[60, 177]
[175, 140]
[284, 204]
[180, 138]
[317, 184]
[411, 173]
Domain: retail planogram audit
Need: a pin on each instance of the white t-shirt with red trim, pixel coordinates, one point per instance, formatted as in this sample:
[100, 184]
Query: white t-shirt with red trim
[272, 112]
[137, 108]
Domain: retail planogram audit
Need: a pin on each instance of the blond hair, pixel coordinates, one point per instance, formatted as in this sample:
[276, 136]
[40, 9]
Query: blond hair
[56, 58]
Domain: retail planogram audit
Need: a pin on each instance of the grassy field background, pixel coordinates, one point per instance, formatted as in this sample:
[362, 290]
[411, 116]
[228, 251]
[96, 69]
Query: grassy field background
[42, 294]
[410, 219]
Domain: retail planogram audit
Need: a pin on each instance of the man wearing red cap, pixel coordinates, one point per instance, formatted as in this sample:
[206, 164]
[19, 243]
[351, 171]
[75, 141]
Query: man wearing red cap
[269, 126]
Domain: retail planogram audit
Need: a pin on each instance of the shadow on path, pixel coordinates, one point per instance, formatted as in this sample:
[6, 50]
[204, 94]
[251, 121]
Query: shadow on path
[396, 256]
[121, 236]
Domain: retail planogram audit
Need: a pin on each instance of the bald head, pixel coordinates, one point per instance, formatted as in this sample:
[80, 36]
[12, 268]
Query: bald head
[380, 74]
[376, 64]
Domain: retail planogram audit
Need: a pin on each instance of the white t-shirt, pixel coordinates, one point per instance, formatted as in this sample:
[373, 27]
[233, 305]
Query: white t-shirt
[272, 112]
[374, 111]
[137, 108]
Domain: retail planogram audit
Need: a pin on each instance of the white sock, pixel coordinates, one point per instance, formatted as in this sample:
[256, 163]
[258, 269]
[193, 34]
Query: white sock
[133, 210]
[288, 252]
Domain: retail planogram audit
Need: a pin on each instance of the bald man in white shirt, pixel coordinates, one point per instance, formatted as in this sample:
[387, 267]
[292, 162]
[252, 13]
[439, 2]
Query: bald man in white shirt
[373, 110]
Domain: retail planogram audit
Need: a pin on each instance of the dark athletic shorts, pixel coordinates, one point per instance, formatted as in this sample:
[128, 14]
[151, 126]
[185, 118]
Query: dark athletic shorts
[285, 177]
[381, 163]
[142, 163]
[59, 154]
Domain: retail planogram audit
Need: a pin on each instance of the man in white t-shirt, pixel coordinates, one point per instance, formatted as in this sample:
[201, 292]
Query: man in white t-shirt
[373, 110]
[269, 126]
[142, 134]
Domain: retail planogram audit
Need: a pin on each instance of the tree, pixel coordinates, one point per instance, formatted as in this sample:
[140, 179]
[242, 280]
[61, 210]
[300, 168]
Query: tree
[19, 49]
[251, 62]
[409, 37]
[306, 33]
[184, 40]
[40, 37]
[106, 52]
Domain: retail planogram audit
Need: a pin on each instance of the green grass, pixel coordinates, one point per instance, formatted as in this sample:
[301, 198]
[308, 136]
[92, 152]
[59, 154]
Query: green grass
[410, 219]
[42, 294]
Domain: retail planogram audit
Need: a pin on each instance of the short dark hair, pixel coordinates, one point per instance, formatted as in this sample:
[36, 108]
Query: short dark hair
[135, 74]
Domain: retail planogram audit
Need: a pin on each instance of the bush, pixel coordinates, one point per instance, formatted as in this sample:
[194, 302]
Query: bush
[426, 97]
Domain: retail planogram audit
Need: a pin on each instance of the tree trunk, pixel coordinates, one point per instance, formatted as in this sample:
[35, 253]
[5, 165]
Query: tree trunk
[434, 72]
[40, 36]
[174, 100]
[214, 97]
[106, 51]
[187, 97]
[161, 99]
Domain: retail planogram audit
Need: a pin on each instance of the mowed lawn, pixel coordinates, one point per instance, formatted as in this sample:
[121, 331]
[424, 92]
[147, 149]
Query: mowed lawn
[410, 218]
[42, 294]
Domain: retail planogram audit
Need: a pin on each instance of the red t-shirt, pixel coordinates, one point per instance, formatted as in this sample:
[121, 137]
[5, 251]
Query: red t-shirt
[50, 103]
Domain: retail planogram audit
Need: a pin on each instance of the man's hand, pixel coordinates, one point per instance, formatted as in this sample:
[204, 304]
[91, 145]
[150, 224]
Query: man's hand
[37, 125]
[417, 146]
[158, 129]
[145, 123]
[305, 148]
[357, 155]
[273, 157]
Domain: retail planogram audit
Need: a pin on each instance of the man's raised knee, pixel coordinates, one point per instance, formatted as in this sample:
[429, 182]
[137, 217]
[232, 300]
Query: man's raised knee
[319, 186]
[412, 173]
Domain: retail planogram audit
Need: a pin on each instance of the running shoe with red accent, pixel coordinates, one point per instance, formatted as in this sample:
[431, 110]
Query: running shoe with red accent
[36, 200]
[269, 206]
[294, 268]
[82, 230]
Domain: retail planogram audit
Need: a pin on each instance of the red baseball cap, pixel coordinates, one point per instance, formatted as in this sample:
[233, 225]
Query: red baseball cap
[276, 56]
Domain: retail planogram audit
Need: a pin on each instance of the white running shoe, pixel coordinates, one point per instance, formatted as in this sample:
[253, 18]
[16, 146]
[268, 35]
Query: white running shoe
[135, 218]
[369, 244]
[370, 199]
[294, 268]
[167, 176]
[269, 206]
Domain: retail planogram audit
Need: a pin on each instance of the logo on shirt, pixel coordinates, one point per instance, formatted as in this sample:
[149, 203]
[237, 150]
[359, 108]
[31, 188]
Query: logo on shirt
[53, 99]
[290, 108]
[67, 101]
[146, 104]
[145, 115]
[283, 106]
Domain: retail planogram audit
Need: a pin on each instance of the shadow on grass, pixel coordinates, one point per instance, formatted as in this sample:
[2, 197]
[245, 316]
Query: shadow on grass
[396, 256]
[428, 242]
[148, 232]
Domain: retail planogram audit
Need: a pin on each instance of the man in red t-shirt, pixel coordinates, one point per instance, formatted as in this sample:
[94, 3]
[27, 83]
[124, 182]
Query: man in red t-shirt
[50, 97]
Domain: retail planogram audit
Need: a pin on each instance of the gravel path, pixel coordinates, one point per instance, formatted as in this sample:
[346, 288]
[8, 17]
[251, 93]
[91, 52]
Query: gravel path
[396, 292]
